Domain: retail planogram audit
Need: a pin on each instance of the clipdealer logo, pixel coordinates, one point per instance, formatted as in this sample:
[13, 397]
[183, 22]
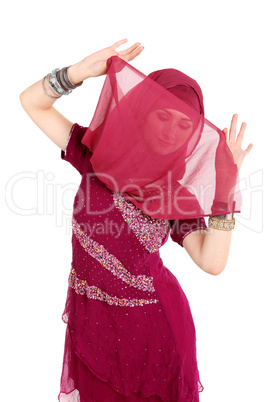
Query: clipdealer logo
[36, 193]
[251, 188]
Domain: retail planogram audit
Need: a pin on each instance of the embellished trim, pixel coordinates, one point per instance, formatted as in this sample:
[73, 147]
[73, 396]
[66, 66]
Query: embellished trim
[93, 292]
[149, 231]
[110, 262]
[69, 137]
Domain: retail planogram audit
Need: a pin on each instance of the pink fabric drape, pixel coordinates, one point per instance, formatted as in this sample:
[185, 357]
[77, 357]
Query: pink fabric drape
[151, 142]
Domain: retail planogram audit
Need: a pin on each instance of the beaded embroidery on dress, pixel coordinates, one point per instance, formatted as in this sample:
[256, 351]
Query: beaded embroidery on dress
[149, 231]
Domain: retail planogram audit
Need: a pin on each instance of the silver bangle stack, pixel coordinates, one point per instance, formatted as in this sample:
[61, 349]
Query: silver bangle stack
[59, 82]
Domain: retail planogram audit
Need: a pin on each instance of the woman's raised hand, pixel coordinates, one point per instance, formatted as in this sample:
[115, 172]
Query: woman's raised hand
[235, 142]
[95, 64]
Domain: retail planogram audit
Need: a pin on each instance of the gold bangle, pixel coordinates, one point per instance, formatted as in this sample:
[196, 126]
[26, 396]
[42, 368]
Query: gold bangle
[221, 224]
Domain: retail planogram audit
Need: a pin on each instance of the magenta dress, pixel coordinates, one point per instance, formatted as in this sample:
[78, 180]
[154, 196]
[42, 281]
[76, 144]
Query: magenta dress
[130, 335]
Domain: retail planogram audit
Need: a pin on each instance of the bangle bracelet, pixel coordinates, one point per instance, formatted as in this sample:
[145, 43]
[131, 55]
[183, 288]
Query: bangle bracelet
[64, 80]
[43, 85]
[50, 86]
[54, 82]
[61, 81]
[68, 78]
[221, 224]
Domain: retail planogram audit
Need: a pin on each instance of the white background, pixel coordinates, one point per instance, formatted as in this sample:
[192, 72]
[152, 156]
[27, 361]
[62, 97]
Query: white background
[223, 45]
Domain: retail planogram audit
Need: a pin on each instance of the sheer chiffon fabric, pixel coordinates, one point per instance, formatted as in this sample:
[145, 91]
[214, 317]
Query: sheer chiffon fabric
[151, 141]
[79, 384]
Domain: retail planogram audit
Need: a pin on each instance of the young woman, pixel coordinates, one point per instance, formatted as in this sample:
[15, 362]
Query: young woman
[130, 334]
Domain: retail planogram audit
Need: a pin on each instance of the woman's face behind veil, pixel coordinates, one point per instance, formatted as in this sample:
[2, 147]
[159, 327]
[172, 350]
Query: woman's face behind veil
[166, 130]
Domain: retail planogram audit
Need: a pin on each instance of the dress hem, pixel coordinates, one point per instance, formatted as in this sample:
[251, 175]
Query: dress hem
[138, 394]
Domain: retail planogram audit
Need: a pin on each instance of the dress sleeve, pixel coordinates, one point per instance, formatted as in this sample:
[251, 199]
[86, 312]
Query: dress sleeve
[181, 228]
[77, 153]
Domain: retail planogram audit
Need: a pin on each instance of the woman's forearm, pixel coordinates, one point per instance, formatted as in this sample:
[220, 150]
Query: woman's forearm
[78, 72]
[215, 249]
[38, 100]
[209, 248]
[35, 98]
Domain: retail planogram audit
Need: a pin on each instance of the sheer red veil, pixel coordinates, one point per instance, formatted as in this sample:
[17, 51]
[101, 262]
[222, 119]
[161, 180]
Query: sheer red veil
[151, 142]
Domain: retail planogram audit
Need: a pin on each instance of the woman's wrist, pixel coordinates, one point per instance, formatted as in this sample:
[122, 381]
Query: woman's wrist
[225, 216]
[77, 72]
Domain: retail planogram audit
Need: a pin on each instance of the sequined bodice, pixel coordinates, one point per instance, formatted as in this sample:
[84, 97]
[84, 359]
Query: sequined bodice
[116, 240]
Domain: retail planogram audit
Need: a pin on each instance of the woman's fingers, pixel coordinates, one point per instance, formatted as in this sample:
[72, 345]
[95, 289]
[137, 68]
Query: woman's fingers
[234, 143]
[129, 50]
[225, 131]
[232, 132]
[249, 148]
[233, 128]
[129, 53]
[119, 43]
[241, 133]
[134, 54]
